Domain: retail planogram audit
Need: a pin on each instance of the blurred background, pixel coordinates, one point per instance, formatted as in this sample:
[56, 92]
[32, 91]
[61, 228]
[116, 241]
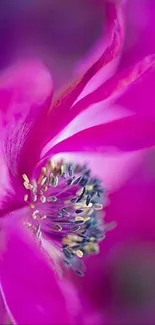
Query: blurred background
[61, 33]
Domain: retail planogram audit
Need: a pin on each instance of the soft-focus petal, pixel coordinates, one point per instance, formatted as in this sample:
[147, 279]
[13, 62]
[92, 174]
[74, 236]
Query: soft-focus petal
[133, 208]
[25, 94]
[100, 113]
[4, 318]
[139, 97]
[111, 42]
[23, 88]
[104, 95]
[23, 135]
[31, 288]
[128, 133]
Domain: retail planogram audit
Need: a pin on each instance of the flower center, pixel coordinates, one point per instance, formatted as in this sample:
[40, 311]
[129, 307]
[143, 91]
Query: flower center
[67, 206]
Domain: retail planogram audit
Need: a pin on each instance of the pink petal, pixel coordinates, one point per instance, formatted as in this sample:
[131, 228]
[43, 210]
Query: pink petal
[32, 290]
[61, 107]
[129, 133]
[139, 96]
[113, 14]
[119, 83]
[100, 113]
[4, 318]
[24, 95]
[133, 208]
[27, 136]
[99, 107]
[105, 95]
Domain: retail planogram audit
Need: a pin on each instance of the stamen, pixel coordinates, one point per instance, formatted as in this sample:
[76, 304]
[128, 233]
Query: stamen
[98, 206]
[27, 186]
[66, 202]
[25, 178]
[43, 181]
[34, 214]
[54, 181]
[43, 199]
[26, 197]
[52, 199]
[79, 253]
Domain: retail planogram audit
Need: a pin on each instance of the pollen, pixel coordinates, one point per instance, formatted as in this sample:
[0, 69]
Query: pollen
[79, 253]
[66, 204]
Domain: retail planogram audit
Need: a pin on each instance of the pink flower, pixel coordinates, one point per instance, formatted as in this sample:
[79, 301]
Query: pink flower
[52, 209]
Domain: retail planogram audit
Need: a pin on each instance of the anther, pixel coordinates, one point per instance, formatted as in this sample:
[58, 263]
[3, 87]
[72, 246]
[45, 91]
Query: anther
[25, 178]
[88, 199]
[98, 206]
[35, 198]
[26, 197]
[27, 186]
[43, 199]
[43, 181]
[57, 227]
[79, 253]
[77, 219]
[54, 181]
[70, 170]
[79, 211]
[34, 214]
[44, 170]
[52, 199]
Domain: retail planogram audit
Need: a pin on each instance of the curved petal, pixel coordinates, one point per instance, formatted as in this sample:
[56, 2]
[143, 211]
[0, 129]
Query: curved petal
[100, 113]
[119, 83]
[29, 134]
[105, 95]
[128, 133]
[25, 94]
[31, 288]
[60, 109]
[4, 317]
[113, 11]
[139, 97]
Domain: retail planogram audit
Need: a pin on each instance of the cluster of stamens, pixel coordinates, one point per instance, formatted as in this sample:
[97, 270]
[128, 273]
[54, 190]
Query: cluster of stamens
[66, 205]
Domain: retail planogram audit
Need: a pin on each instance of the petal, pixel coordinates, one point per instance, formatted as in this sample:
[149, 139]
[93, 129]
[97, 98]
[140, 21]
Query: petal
[113, 11]
[60, 109]
[29, 281]
[119, 83]
[96, 114]
[4, 318]
[105, 95]
[139, 96]
[28, 134]
[126, 134]
[133, 208]
[25, 92]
